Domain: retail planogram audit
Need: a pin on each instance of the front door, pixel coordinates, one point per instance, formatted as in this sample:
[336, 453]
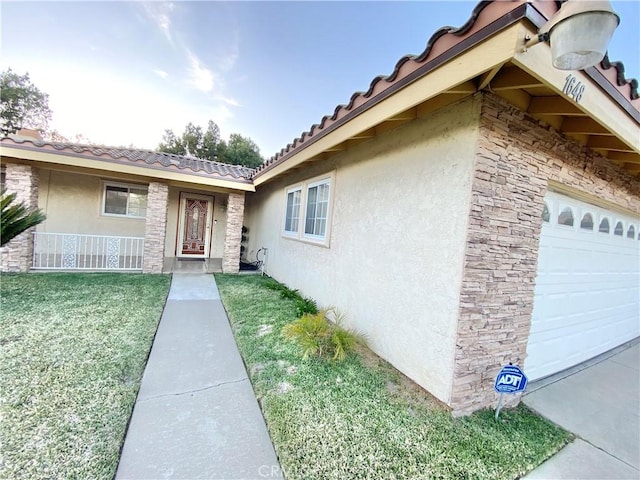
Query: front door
[195, 226]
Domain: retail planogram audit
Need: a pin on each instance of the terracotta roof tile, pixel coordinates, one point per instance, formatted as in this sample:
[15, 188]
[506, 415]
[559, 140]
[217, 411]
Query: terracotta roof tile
[606, 64]
[148, 157]
[440, 42]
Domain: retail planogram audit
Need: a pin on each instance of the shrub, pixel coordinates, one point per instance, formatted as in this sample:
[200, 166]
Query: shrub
[322, 335]
[306, 305]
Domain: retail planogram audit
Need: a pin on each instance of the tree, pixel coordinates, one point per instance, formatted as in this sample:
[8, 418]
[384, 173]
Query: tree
[207, 145]
[23, 105]
[16, 218]
[193, 142]
[240, 150]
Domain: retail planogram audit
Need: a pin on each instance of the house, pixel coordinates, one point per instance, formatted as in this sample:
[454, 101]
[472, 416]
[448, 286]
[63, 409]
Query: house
[475, 208]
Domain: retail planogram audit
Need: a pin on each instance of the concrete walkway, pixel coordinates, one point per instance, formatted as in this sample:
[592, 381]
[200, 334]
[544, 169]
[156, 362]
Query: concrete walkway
[196, 415]
[601, 406]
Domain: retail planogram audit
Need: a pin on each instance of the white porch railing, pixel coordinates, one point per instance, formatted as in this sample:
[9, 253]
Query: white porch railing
[68, 251]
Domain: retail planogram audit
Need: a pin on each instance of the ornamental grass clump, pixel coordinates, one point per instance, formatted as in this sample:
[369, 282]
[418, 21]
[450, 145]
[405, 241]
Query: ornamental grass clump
[321, 334]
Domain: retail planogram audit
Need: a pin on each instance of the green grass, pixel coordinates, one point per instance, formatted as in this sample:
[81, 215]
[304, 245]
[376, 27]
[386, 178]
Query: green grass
[363, 419]
[72, 351]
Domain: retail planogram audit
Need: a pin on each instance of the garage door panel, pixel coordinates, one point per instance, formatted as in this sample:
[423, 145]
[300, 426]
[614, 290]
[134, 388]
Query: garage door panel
[587, 297]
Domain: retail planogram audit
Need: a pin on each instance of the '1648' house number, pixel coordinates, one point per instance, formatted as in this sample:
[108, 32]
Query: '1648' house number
[573, 88]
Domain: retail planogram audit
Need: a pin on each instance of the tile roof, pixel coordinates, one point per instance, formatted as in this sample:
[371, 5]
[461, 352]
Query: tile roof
[410, 67]
[141, 157]
[606, 64]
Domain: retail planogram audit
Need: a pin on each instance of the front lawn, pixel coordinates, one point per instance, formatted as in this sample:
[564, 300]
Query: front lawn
[73, 349]
[363, 419]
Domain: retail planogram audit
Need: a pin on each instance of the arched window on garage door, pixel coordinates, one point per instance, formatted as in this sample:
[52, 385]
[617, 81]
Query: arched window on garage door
[619, 230]
[631, 233]
[587, 222]
[604, 225]
[566, 217]
[546, 216]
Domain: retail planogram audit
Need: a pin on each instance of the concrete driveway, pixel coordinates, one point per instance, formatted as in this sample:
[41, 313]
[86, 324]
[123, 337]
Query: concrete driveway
[600, 404]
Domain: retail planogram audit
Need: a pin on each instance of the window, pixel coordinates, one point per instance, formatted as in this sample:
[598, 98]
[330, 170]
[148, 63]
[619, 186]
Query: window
[307, 210]
[317, 209]
[587, 222]
[566, 217]
[545, 213]
[125, 200]
[292, 215]
[631, 233]
[619, 230]
[604, 225]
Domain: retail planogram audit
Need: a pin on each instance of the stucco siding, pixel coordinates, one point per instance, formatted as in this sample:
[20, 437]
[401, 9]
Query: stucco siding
[394, 262]
[73, 204]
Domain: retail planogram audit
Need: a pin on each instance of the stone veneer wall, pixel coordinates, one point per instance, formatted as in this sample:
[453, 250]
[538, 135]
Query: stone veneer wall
[155, 227]
[22, 180]
[233, 233]
[515, 157]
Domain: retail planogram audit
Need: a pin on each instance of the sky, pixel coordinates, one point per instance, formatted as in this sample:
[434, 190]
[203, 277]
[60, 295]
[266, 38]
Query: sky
[120, 73]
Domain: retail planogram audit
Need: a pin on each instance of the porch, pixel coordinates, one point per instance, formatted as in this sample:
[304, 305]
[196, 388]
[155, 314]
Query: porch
[192, 265]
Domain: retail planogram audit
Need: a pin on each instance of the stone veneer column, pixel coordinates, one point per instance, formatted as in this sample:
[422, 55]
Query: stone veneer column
[155, 228]
[233, 234]
[516, 156]
[17, 255]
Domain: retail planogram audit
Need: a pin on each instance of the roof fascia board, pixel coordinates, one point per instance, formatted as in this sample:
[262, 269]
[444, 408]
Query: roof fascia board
[493, 51]
[106, 166]
[595, 102]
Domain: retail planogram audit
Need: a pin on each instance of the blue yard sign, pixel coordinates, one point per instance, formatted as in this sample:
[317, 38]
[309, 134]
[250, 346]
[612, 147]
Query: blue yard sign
[510, 380]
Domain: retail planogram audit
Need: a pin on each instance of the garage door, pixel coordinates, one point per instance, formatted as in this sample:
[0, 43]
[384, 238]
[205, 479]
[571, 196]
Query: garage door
[587, 296]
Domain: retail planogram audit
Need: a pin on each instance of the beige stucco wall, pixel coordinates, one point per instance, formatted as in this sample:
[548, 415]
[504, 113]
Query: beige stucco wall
[219, 224]
[73, 204]
[394, 263]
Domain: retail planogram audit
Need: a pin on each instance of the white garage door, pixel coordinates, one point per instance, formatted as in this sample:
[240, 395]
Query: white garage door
[587, 296]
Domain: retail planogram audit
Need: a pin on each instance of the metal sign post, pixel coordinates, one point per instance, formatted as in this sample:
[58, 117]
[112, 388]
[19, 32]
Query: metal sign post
[510, 380]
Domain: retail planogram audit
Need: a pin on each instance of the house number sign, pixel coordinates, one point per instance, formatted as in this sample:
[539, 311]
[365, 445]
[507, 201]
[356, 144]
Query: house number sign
[573, 88]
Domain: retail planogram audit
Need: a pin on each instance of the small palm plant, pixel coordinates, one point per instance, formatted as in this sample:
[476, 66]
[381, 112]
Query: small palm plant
[16, 218]
[321, 334]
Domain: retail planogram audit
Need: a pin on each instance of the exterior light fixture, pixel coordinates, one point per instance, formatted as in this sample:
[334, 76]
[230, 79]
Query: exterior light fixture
[579, 33]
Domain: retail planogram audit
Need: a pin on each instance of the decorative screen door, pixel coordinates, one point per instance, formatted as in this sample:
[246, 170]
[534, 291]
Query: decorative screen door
[195, 226]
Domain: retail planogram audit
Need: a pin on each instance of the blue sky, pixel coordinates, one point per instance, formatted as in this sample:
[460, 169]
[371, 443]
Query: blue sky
[120, 73]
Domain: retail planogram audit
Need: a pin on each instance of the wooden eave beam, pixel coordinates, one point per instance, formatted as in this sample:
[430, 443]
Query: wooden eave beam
[369, 133]
[583, 125]
[552, 106]
[512, 78]
[608, 143]
[407, 115]
[467, 87]
[624, 157]
[337, 148]
[485, 79]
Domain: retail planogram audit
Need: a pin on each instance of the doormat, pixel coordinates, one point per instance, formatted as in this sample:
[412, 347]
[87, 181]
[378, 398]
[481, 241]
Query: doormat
[191, 259]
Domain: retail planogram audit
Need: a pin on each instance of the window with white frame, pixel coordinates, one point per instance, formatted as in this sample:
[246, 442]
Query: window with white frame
[125, 200]
[317, 209]
[292, 214]
[307, 209]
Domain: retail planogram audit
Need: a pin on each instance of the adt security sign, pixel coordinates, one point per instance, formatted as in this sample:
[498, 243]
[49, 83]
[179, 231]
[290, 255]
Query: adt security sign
[510, 380]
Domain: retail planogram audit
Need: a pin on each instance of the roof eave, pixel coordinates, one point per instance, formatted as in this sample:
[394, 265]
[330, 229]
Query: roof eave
[107, 165]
